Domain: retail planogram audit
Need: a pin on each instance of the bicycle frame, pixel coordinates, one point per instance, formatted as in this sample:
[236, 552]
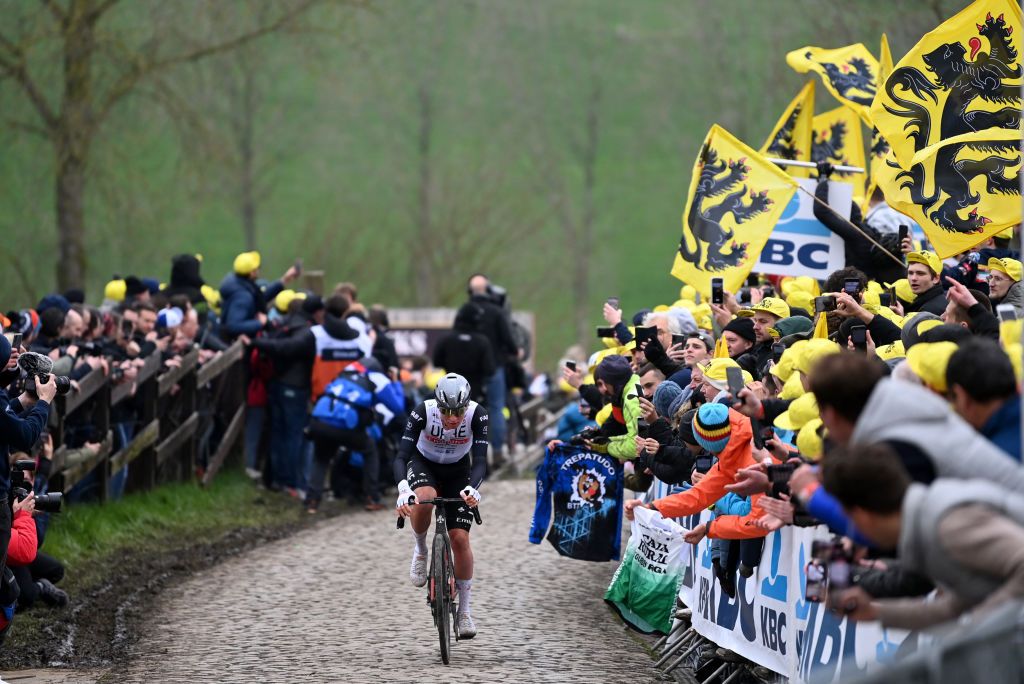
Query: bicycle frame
[442, 607]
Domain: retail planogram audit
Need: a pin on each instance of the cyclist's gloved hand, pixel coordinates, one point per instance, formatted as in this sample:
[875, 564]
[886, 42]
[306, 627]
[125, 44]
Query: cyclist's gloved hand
[471, 496]
[405, 497]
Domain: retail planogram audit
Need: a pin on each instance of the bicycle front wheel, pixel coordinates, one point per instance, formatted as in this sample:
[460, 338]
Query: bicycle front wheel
[442, 596]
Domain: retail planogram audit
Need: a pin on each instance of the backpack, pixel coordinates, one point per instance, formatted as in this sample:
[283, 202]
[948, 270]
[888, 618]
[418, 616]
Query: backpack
[347, 402]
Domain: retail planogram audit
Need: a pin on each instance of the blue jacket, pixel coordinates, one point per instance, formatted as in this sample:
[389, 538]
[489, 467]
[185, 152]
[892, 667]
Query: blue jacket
[18, 433]
[241, 300]
[1003, 427]
[572, 422]
[732, 504]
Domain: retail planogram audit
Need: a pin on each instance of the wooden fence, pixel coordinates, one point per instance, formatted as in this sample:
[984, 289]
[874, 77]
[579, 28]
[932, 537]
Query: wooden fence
[175, 412]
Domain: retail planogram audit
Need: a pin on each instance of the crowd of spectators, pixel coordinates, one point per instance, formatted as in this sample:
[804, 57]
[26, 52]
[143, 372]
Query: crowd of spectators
[297, 346]
[887, 410]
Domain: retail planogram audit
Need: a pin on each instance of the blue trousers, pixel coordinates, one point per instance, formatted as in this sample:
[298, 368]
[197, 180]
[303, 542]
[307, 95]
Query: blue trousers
[288, 416]
[496, 408]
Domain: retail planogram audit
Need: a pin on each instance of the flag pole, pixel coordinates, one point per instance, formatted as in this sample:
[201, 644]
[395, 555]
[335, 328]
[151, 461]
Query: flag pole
[813, 165]
[852, 225]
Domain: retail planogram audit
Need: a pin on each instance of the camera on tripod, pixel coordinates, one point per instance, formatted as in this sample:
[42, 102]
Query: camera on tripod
[21, 486]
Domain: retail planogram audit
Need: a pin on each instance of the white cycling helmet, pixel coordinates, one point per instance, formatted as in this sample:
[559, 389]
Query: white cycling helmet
[452, 392]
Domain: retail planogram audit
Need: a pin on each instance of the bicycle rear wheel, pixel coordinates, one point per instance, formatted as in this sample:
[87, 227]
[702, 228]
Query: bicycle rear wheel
[442, 596]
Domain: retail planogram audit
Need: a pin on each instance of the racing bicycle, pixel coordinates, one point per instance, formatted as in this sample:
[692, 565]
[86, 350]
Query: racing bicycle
[441, 574]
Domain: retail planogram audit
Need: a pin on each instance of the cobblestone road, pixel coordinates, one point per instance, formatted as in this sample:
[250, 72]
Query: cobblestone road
[334, 604]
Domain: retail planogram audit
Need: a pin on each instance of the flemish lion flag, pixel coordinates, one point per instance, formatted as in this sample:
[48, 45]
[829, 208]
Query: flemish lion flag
[962, 77]
[850, 73]
[791, 136]
[962, 191]
[879, 146]
[838, 140]
[735, 198]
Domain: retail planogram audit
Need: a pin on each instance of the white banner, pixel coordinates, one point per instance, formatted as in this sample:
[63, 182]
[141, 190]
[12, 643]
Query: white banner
[769, 622]
[800, 244]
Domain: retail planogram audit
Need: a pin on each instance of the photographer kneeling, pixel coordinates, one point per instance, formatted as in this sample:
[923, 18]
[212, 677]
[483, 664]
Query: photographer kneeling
[21, 421]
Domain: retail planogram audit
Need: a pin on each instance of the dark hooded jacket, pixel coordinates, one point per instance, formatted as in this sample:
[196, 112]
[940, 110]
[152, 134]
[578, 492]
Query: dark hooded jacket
[241, 300]
[185, 278]
[467, 352]
[292, 349]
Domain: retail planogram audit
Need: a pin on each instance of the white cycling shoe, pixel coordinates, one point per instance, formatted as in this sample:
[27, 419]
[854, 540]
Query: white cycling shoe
[418, 570]
[467, 628]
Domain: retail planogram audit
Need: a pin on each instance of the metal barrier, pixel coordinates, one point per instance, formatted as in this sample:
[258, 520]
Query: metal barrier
[174, 409]
[988, 649]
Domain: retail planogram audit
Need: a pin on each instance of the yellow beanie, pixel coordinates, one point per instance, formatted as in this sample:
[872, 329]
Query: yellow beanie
[809, 442]
[247, 262]
[115, 290]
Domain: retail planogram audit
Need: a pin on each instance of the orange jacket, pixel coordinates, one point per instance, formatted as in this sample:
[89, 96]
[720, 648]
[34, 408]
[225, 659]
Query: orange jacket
[738, 453]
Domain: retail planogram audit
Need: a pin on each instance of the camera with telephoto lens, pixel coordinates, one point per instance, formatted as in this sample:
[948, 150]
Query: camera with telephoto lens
[36, 368]
[591, 434]
[21, 487]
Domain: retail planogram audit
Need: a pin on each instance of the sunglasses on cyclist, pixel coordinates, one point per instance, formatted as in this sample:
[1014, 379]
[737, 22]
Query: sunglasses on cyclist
[453, 412]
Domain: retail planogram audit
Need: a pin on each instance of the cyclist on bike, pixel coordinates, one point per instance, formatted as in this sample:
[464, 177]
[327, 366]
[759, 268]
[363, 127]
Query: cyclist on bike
[444, 453]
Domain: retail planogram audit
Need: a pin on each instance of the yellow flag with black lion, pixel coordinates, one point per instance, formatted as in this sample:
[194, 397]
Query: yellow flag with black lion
[951, 113]
[736, 196]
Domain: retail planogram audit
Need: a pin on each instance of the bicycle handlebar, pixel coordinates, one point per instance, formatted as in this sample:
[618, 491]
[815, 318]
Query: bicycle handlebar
[438, 501]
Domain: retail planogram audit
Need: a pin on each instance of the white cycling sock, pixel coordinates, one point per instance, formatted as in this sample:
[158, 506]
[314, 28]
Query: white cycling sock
[421, 543]
[463, 587]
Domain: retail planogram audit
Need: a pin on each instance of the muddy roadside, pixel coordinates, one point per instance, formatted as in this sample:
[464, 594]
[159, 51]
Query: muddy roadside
[112, 597]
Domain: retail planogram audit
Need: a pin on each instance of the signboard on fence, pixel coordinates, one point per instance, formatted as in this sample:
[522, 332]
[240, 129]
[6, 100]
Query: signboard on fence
[769, 622]
[800, 244]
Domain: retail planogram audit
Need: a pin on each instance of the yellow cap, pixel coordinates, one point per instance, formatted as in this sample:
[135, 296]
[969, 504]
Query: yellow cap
[597, 357]
[929, 259]
[891, 351]
[212, 297]
[793, 387]
[1006, 234]
[928, 360]
[875, 286]
[809, 442]
[801, 300]
[772, 305]
[431, 379]
[247, 262]
[716, 375]
[115, 290]
[903, 290]
[285, 298]
[661, 308]
[808, 284]
[705, 323]
[688, 292]
[811, 351]
[784, 368]
[870, 300]
[1011, 267]
[803, 409]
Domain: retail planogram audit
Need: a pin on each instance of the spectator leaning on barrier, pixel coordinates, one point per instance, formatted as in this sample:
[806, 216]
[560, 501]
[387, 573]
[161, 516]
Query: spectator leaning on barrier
[981, 381]
[616, 381]
[966, 535]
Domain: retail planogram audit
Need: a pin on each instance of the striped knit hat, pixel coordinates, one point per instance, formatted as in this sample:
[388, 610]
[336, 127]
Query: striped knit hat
[711, 427]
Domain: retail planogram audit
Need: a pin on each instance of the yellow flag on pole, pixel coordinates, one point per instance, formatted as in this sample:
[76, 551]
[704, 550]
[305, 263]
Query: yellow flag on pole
[962, 191]
[837, 139]
[850, 73]
[791, 136]
[735, 198]
[960, 78]
[878, 148]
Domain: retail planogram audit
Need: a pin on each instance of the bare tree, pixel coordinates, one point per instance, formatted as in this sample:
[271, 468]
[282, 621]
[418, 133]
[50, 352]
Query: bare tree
[100, 68]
